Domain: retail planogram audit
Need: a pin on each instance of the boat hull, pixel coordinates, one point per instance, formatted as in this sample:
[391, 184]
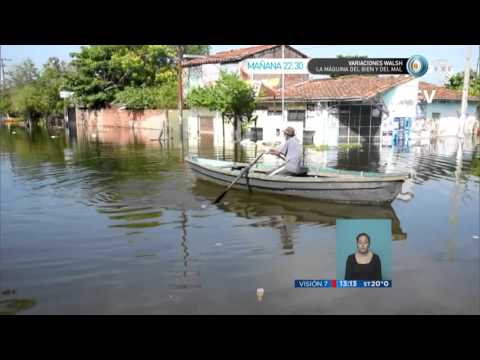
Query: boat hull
[330, 189]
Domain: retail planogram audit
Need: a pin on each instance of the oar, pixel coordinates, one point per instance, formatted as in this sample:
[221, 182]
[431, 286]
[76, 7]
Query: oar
[238, 178]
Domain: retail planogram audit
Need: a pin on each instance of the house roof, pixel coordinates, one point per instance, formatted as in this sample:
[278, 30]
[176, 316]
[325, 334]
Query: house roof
[442, 93]
[235, 55]
[352, 87]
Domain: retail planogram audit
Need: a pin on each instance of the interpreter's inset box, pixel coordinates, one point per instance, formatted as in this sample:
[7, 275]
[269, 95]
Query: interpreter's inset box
[364, 249]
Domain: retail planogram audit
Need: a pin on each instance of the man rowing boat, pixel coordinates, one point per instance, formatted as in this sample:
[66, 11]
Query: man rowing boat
[291, 149]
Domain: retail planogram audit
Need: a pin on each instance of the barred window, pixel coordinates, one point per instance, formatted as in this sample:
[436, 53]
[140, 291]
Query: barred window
[274, 113]
[296, 115]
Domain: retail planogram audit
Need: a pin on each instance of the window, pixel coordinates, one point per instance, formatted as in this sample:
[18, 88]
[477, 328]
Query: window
[357, 125]
[308, 137]
[274, 113]
[256, 134]
[436, 116]
[296, 115]
[311, 107]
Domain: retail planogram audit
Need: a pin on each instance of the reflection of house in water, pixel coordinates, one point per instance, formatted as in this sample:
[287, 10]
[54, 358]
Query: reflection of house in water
[359, 159]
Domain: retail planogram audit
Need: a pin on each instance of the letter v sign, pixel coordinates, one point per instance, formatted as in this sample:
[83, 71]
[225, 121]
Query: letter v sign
[429, 98]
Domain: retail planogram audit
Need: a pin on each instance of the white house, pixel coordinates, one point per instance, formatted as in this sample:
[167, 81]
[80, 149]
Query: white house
[439, 111]
[355, 109]
[344, 110]
[205, 70]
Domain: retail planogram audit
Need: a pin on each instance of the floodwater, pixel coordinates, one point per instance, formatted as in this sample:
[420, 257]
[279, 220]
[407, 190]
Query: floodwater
[109, 223]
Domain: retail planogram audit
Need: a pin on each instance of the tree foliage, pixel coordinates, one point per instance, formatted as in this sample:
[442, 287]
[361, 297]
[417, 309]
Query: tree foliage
[137, 76]
[5, 102]
[196, 49]
[231, 96]
[52, 80]
[456, 83]
[28, 102]
[33, 94]
[153, 97]
[102, 71]
[22, 74]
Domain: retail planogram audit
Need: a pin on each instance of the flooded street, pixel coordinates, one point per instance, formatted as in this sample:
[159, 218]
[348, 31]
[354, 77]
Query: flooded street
[111, 224]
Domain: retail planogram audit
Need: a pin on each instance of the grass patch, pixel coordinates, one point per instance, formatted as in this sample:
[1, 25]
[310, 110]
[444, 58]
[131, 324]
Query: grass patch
[13, 306]
[138, 225]
[137, 216]
[476, 167]
[349, 146]
[318, 147]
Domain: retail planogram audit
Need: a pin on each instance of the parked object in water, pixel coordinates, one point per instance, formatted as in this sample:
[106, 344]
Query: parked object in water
[326, 184]
[260, 293]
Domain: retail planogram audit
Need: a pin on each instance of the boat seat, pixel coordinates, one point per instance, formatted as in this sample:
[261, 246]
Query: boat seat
[240, 167]
[303, 172]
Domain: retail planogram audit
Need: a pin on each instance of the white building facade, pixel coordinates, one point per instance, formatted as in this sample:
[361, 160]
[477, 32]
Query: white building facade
[366, 110]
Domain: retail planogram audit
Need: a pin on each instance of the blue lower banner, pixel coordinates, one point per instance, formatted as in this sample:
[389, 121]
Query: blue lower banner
[364, 283]
[343, 283]
[314, 283]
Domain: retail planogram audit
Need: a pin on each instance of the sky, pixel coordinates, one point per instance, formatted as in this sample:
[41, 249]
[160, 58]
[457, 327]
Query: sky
[454, 54]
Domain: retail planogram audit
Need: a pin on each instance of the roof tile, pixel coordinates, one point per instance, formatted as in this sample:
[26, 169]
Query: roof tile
[442, 93]
[345, 87]
[233, 55]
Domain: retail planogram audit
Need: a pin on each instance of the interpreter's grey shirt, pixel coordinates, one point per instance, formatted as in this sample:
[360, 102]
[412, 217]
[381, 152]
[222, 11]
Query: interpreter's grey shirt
[293, 153]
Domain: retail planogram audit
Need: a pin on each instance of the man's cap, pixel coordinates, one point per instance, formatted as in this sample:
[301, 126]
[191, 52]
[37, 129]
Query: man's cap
[290, 131]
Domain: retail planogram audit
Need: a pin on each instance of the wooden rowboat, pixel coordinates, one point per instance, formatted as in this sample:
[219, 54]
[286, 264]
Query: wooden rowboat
[326, 184]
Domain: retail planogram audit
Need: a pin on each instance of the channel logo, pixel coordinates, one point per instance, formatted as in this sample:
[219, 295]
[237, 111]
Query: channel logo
[417, 66]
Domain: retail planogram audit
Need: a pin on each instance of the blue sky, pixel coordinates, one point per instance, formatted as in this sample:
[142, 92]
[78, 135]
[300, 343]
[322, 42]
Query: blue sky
[454, 54]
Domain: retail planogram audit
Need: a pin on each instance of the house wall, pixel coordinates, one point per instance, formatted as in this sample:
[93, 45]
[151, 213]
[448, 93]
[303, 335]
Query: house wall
[117, 117]
[401, 101]
[275, 80]
[318, 120]
[193, 119]
[450, 117]
[201, 75]
[324, 124]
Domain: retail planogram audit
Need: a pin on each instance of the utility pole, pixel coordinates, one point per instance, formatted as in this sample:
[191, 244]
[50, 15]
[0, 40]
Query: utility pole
[2, 69]
[478, 62]
[180, 51]
[466, 83]
[283, 84]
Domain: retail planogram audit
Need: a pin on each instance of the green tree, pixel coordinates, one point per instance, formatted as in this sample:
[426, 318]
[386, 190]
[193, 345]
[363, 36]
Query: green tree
[153, 97]
[101, 71]
[51, 81]
[33, 94]
[5, 103]
[22, 74]
[24, 98]
[28, 101]
[197, 49]
[232, 97]
[456, 83]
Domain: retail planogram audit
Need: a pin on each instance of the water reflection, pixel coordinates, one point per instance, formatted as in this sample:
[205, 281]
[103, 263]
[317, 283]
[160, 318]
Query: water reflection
[129, 214]
[283, 210]
[184, 221]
